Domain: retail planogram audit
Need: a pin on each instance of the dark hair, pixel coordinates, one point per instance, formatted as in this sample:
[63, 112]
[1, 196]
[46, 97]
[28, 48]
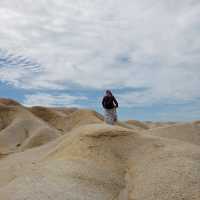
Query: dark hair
[108, 92]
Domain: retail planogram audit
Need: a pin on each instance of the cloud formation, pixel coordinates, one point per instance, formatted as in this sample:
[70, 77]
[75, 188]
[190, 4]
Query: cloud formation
[98, 44]
[45, 99]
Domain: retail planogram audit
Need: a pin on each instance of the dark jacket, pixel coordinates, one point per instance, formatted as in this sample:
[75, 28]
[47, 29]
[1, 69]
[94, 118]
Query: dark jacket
[109, 102]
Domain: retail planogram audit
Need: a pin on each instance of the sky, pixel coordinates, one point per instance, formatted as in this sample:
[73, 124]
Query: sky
[68, 52]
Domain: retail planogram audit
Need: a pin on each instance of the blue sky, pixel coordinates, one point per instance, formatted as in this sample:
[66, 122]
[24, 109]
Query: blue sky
[67, 53]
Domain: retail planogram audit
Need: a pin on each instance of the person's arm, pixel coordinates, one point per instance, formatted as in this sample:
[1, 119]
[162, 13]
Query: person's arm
[103, 102]
[115, 101]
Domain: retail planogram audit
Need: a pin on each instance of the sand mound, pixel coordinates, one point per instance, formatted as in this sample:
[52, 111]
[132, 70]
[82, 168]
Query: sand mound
[197, 123]
[20, 129]
[8, 102]
[153, 125]
[7, 114]
[64, 119]
[103, 162]
[83, 117]
[54, 117]
[78, 157]
[188, 132]
[138, 124]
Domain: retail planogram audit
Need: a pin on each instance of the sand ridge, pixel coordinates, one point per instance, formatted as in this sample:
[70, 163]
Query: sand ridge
[90, 160]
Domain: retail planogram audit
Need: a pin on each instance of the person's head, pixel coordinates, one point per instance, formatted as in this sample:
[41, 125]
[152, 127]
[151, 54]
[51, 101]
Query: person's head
[108, 93]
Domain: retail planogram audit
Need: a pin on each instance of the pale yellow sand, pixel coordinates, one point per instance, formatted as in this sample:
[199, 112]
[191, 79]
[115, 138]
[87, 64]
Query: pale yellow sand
[78, 157]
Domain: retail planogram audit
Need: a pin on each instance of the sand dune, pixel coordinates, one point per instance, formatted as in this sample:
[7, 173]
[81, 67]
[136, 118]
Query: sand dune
[9, 102]
[138, 124]
[65, 119]
[188, 132]
[90, 160]
[20, 129]
[153, 125]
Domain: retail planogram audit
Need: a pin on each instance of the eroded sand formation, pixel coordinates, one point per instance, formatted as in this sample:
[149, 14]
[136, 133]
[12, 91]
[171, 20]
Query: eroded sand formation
[71, 154]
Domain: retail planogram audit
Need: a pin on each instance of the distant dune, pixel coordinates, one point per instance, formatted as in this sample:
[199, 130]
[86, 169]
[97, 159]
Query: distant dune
[71, 154]
[187, 132]
[138, 124]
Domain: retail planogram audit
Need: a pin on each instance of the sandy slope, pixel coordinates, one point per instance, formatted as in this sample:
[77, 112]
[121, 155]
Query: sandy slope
[65, 119]
[138, 124]
[20, 129]
[91, 160]
[188, 132]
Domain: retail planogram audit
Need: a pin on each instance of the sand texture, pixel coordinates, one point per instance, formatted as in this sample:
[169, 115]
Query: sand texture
[71, 154]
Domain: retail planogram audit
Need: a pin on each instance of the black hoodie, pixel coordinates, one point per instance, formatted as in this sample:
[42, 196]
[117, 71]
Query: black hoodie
[109, 102]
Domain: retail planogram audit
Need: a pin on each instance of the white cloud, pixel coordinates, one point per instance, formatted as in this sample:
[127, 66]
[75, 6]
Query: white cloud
[45, 99]
[151, 97]
[99, 44]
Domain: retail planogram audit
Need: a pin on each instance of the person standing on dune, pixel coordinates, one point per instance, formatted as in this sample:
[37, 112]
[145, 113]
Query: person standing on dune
[110, 104]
